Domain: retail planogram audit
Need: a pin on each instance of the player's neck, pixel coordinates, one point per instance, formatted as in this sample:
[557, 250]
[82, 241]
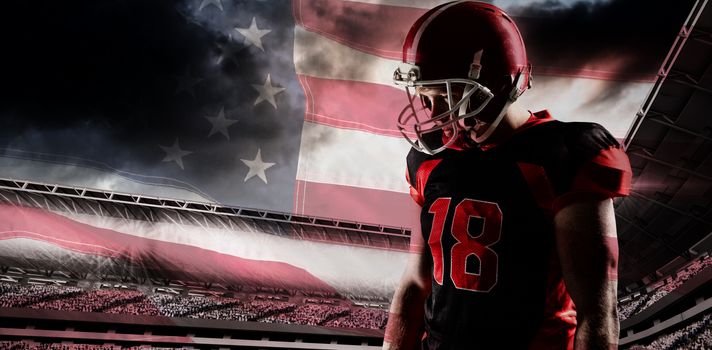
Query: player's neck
[514, 118]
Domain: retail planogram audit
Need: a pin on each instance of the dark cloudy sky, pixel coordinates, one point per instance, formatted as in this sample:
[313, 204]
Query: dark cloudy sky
[102, 84]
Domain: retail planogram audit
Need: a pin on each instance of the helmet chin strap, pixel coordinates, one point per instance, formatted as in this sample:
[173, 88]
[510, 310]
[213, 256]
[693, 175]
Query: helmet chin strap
[482, 138]
[513, 95]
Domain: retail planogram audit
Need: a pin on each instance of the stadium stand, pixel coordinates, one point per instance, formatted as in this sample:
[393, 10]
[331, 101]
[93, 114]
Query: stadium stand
[682, 276]
[262, 308]
[361, 318]
[640, 303]
[695, 336]
[310, 314]
[631, 307]
[22, 296]
[674, 314]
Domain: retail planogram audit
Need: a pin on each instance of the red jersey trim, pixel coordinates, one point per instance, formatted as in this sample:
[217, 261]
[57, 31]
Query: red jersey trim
[421, 178]
[607, 175]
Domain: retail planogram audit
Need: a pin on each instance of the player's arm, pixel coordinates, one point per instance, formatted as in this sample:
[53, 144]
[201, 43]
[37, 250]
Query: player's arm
[588, 248]
[405, 320]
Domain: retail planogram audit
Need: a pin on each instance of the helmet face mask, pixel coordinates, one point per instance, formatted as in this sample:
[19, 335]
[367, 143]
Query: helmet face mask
[464, 63]
[430, 133]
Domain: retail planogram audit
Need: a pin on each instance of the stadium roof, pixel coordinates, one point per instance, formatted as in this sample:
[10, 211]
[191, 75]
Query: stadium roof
[670, 145]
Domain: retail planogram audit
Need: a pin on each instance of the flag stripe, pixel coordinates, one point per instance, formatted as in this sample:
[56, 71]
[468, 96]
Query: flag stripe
[364, 81]
[352, 105]
[353, 24]
[178, 259]
[352, 158]
[318, 56]
[356, 204]
[349, 138]
[172, 240]
[376, 29]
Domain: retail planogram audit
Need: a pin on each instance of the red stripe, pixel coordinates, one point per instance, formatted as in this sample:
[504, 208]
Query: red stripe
[613, 158]
[353, 105]
[375, 29]
[179, 261]
[356, 204]
[608, 173]
[421, 177]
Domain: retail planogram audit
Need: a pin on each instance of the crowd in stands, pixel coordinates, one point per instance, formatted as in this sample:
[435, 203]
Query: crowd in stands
[88, 301]
[309, 311]
[21, 296]
[181, 306]
[141, 307]
[625, 310]
[361, 318]
[310, 314]
[696, 336]
[246, 311]
[631, 307]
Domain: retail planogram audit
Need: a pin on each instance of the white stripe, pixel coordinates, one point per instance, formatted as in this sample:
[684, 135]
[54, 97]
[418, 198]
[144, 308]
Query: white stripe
[347, 268]
[361, 159]
[352, 158]
[318, 56]
[31, 252]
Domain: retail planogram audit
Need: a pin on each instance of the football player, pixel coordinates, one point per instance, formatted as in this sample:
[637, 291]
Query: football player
[517, 245]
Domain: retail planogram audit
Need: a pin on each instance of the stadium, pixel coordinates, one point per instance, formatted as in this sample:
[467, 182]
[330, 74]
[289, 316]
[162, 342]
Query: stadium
[122, 244]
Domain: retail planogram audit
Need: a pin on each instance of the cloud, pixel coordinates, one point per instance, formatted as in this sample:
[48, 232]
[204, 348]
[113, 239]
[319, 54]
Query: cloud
[629, 38]
[112, 81]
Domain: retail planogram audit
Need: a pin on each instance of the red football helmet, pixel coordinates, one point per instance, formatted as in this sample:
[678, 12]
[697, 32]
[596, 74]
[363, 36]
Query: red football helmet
[473, 52]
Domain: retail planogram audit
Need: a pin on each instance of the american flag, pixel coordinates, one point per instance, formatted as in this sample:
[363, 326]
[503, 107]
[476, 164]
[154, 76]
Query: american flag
[280, 105]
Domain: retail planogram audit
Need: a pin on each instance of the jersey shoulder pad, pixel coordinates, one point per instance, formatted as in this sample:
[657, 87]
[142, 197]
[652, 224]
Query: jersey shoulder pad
[413, 161]
[586, 140]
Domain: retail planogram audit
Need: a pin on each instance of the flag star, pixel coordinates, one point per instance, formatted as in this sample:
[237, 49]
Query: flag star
[220, 124]
[186, 83]
[257, 167]
[175, 154]
[216, 3]
[267, 92]
[253, 35]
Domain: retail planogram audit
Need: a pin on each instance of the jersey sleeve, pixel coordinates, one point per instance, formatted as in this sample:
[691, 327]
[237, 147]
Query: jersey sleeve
[601, 168]
[419, 167]
[410, 177]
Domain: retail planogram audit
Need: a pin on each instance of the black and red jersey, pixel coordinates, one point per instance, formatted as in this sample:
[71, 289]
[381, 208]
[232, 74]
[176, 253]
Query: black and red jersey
[487, 218]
